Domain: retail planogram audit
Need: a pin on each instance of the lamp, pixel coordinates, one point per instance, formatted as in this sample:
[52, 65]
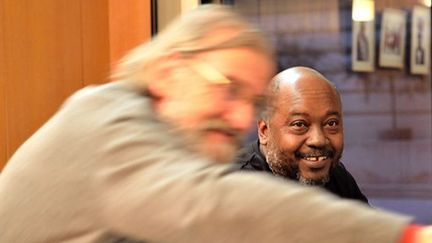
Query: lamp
[427, 3]
[363, 10]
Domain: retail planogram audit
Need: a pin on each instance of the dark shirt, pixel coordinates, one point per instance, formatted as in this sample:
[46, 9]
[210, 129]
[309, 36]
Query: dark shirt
[341, 182]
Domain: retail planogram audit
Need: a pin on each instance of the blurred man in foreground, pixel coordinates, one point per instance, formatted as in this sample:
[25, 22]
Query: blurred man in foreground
[133, 160]
[301, 134]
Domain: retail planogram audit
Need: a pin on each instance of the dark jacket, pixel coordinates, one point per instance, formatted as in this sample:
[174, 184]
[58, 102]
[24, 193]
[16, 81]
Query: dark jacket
[341, 182]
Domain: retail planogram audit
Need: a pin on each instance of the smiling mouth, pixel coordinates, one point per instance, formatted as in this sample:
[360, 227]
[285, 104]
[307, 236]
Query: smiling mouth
[316, 162]
[315, 158]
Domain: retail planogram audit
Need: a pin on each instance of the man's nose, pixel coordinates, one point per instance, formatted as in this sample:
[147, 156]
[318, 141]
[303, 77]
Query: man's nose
[317, 137]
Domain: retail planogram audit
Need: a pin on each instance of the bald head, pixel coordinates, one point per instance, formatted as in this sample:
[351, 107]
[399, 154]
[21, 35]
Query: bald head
[297, 75]
[295, 82]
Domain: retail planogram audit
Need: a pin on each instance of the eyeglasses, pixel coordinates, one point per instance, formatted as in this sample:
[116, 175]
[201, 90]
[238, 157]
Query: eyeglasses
[235, 91]
[210, 73]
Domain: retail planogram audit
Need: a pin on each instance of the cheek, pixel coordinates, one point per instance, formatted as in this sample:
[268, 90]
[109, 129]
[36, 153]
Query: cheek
[193, 114]
[195, 103]
[337, 142]
[288, 142]
[189, 95]
[239, 115]
[185, 113]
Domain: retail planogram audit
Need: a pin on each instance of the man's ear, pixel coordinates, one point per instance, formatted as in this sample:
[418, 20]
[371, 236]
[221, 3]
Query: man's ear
[262, 131]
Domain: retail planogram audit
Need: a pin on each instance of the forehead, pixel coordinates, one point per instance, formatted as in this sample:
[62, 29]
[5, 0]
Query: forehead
[310, 95]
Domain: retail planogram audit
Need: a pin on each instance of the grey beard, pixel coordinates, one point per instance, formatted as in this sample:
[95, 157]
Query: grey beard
[281, 171]
[277, 163]
[278, 166]
[310, 182]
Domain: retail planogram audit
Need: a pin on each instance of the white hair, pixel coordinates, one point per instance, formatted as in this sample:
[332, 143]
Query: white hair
[197, 31]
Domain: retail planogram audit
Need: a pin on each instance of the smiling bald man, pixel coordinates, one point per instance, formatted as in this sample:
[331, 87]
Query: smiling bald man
[301, 134]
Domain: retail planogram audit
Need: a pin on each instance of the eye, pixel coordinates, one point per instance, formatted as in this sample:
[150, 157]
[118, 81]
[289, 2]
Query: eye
[333, 126]
[234, 90]
[333, 123]
[299, 126]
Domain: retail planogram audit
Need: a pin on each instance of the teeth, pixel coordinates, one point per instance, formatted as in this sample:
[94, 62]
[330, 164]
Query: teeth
[316, 158]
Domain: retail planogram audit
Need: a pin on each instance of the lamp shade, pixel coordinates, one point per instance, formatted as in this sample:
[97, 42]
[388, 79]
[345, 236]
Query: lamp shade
[363, 10]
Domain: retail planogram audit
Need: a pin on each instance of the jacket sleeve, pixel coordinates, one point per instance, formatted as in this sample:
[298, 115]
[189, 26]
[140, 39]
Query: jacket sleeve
[149, 187]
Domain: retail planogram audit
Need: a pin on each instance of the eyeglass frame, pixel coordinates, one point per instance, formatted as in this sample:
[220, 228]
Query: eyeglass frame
[216, 77]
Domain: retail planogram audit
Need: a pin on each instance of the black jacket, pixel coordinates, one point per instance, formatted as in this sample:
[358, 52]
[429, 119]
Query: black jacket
[341, 182]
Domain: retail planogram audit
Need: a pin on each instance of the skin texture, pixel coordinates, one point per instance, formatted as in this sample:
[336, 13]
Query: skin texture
[215, 116]
[302, 136]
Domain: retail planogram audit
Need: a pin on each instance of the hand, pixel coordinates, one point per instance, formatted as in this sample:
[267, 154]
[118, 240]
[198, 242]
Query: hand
[424, 235]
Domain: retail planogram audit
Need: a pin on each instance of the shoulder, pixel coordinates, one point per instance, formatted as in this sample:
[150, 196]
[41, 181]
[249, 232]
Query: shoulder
[342, 173]
[100, 105]
[97, 97]
[345, 183]
[245, 154]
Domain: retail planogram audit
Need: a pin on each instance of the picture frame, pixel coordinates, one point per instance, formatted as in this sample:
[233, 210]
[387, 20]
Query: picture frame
[363, 46]
[420, 41]
[392, 38]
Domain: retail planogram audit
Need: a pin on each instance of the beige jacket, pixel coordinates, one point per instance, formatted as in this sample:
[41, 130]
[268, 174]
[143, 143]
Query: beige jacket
[104, 168]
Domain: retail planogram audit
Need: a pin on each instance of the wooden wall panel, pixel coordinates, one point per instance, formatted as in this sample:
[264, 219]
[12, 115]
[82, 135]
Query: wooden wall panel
[51, 48]
[95, 41]
[3, 119]
[15, 46]
[129, 26]
[43, 61]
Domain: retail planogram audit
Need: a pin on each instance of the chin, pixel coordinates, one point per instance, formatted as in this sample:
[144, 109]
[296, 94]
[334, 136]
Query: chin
[317, 176]
[315, 180]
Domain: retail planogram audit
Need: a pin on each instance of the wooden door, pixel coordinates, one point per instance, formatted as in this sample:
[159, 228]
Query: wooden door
[51, 48]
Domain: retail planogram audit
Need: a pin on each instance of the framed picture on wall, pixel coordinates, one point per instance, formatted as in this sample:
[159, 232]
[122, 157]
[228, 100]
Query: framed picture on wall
[420, 40]
[392, 38]
[363, 46]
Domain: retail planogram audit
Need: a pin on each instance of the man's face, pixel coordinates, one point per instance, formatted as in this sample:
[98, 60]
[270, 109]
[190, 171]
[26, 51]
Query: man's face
[304, 137]
[216, 114]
